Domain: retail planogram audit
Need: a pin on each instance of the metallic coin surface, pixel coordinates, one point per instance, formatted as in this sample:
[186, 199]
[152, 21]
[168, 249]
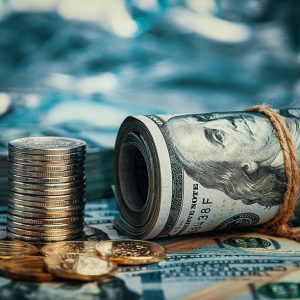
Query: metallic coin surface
[47, 145]
[10, 249]
[46, 171]
[26, 268]
[47, 233]
[32, 164]
[79, 266]
[74, 247]
[46, 157]
[46, 186]
[47, 204]
[46, 209]
[46, 192]
[131, 252]
[46, 227]
[41, 239]
[45, 221]
[44, 215]
[45, 198]
[43, 180]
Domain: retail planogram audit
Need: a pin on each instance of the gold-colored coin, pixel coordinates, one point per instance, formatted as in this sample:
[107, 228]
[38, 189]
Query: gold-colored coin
[131, 252]
[10, 249]
[27, 268]
[71, 247]
[79, 266]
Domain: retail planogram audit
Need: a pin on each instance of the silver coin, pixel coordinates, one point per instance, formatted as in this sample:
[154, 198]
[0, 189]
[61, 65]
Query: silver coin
[47, 145]
[45, 221]
[44, 215]
[16, 162]
[45, 172]
[48, 167]
[46, 180]
[46, 186]
[49, 233]
[49, 204]
[40, 239]
[47, 192]
[46, 198]
[43, 227]
[46, 209]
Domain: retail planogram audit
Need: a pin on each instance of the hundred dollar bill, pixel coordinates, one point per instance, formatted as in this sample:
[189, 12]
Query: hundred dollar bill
[194, 262]
[183, 174]
[283, 284]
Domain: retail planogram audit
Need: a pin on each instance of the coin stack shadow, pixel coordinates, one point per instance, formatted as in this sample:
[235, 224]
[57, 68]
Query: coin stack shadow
[46, 189]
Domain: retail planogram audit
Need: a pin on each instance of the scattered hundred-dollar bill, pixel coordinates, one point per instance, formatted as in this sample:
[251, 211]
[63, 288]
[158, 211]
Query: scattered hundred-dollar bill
[191, 263]
[183, 174]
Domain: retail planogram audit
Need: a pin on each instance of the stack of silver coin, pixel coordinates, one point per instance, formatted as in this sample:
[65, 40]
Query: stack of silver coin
[46, 189]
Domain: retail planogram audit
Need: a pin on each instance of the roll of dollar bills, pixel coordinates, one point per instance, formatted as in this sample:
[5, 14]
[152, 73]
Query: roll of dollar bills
[183, 174]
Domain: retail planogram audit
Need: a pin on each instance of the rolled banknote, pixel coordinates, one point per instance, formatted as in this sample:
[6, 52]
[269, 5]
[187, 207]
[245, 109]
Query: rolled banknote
[183, 174]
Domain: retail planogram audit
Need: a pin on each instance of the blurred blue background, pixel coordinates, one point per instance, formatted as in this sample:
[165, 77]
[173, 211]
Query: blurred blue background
[78, 68]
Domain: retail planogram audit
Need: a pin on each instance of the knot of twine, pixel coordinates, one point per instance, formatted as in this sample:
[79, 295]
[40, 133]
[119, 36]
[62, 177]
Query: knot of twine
[279, 226]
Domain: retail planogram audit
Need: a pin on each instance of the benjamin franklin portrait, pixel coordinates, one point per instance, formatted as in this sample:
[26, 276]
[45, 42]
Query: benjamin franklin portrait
[236, 153]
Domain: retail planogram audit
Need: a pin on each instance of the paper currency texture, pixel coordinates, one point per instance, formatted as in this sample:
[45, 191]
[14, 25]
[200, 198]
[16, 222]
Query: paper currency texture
[183, 174]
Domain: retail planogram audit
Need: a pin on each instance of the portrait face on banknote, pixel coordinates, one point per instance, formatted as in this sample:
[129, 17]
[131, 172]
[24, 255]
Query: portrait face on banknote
[237, 153]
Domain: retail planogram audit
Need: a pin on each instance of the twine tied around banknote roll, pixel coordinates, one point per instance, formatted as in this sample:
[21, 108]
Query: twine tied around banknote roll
[279, 225]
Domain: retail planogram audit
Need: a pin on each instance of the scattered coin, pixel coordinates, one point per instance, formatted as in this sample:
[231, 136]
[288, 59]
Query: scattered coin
[71, 247]
[131, 252]
[79, 266]
[10, 249]
[26, 268]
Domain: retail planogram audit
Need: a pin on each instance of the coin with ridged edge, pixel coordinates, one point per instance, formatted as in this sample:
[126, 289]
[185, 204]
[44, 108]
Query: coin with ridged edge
[45, 221]
[46, 214]
[46, 157]
[42, 239]
[26, 268]
[78, 247]
[46, 233]
[47, 186]
[131, 252]
[47, 204]
[79, 267]
[43, 227]
[41, 223]
[10, 249]
[47, 192]
[32, 173]
[46, 209]
[46, 198]
[20, 164]
[46, 180]
[47, 145]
